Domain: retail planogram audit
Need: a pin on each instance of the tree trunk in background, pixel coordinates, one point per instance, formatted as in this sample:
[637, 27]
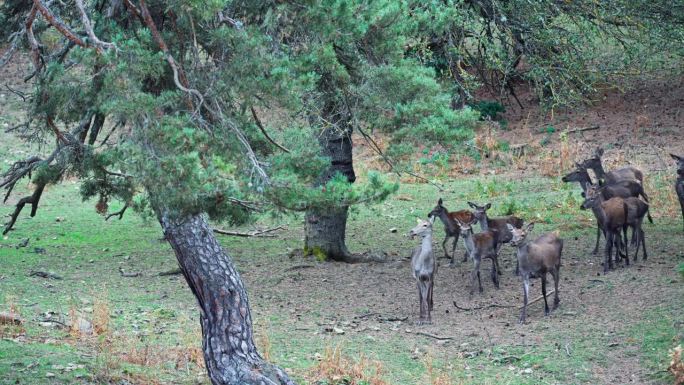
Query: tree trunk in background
[325, 228]
[227, 339]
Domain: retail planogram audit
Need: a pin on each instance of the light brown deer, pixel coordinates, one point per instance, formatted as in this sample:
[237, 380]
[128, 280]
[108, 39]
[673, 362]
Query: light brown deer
[535, 259]
[424, 268]
[448, 218]
[480, 245]
[612, 214]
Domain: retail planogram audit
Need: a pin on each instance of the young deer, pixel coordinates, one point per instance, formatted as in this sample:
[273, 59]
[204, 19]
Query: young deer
[498, 225]
[624, 173]
[536, 258]
[636, 210]
[679, 184]
[612, 214]
[450, 227]
[480, 245]
[424, 268]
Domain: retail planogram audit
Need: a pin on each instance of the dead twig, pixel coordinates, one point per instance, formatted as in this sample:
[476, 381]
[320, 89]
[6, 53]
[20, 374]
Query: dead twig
[256, 233]
[171, 272]
[297, 267]
[440, 338]
[538, 298]
[581, 129]
[44, 274]
[263, 131]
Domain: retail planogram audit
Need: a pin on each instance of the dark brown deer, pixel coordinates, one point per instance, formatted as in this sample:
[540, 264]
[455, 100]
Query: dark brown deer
[536, 258]
[424, 268]
[624, 173]
[480, 245]
[498, 225]
[623, 189]
[451, 229]
[612, 214]
[636, 210]
[679, 184]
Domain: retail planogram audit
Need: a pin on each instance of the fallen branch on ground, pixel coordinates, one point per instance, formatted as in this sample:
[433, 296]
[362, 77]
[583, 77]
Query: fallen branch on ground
[441, 338]
[129, 275]
[170, 272]
[538, 298]
[256, 233]
[596, 127]
[44, 274]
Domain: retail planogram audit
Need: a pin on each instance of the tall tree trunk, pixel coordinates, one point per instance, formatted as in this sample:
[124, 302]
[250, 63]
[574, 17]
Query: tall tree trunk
[227, 340]
[325, 229]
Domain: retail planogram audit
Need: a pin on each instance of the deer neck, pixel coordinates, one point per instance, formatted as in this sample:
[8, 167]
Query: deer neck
[426, 243]
[585, 183]
[484, 223]
[522, 250]
[600, 172]
[468, 239]
[448, 222]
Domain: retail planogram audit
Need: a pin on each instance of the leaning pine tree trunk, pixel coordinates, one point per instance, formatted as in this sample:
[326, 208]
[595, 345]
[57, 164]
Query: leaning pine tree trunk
[227, 340]
[325, 228]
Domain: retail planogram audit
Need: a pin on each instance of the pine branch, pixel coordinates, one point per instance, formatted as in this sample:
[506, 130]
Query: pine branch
[263, 131]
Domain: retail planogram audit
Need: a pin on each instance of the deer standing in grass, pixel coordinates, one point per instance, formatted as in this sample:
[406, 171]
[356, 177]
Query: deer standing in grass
[448, 218]
[612, 214]
[535, 259]
[498, 225]
[480, 245]
[424, 268]
[623, 189]
[621, 174]
[679, 183]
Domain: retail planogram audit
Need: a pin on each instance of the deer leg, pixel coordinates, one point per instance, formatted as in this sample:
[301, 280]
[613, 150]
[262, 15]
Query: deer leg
[453, 249]
[431, 284]
[556, 279]
[546, 304]
[624, 233]
[422, 293]
[642, 240]
[475, 273]
[526, 289]
[598, 238]
[681, 204]
[608, 261]
[494, 274]
[444, 244]
[634, 237]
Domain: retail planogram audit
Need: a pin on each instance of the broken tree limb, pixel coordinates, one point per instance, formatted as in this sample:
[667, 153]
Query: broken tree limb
[263, 131]
[256, 233]
[44, 274]
[170, 272]
[538, 298]
[440, 338]
[581, 129]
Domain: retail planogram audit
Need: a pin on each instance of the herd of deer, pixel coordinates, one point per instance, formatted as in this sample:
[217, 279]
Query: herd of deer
[614, 200]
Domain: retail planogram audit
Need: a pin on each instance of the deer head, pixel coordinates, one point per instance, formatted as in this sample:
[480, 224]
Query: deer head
[422, 229]
[519, 235]
[480, 212]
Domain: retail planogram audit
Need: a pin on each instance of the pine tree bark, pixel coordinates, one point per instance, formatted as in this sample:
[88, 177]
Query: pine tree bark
[227, 337]
[325, 229]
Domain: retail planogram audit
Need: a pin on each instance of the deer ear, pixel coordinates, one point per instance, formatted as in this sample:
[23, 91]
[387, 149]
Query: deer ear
[675, 157]
[530, 226]
[599, 151]
[578, 165]
[584, 195]
[473, 205]
[432, 220]
[439, 202]
[510, 227]
[488, 206]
